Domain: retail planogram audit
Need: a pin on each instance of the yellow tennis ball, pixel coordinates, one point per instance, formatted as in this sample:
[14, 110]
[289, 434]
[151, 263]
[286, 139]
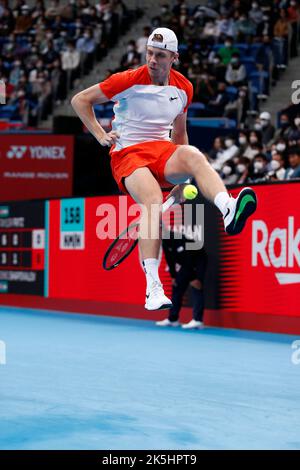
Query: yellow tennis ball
[190, 191]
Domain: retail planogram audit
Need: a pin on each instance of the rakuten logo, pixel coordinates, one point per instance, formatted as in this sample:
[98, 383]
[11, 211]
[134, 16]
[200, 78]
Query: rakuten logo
[38, 152]
[287, 254]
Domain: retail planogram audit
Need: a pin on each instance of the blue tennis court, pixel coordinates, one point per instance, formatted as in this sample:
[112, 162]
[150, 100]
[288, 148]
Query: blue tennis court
[87, 382]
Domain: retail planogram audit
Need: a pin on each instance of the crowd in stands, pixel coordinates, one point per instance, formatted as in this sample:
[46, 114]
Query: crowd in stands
[44, 49]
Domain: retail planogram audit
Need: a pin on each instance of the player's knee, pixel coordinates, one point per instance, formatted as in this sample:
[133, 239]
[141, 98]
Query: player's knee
[191, 157]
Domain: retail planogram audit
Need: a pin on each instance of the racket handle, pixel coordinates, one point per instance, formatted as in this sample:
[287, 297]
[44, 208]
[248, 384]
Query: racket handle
[168, 203]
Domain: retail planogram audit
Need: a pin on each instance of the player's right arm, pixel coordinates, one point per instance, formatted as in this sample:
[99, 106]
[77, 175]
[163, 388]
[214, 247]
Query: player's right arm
[83, 103]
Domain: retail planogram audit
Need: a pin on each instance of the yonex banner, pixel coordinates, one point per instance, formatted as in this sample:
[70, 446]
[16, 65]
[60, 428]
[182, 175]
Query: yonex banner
[35, 166]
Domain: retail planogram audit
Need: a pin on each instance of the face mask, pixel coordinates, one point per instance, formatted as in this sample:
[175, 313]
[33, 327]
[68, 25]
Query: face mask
[284, 123]
[226, 170]
[264, 123]
[191, 23]
[241, 168]
[253, 140]
[257, 126]
[228, 143]
[275, 165]
[280, 147]
[234, 61]
[258, 165]
[242, 140]
[297, 121]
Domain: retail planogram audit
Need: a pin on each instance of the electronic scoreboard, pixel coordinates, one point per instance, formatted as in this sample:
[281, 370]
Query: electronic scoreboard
[22, 248]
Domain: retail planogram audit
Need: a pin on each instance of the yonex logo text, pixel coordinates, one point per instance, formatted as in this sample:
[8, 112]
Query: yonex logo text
[38, 152]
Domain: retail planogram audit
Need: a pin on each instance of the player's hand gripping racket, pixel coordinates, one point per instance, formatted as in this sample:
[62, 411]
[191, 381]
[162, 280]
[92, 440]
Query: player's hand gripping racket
[125, 243]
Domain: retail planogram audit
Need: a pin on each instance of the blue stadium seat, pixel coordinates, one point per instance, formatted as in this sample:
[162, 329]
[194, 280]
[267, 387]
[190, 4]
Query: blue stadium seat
[249, 64]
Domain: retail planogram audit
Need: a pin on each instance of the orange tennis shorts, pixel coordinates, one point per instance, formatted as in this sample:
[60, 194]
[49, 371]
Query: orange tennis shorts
[153, 155]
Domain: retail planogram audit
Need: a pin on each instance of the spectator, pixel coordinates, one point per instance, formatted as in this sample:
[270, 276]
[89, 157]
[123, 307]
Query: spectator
[267, 129]
[127, 60]
[141, 44]
[226, 52]
[277, 166]
[235, 72]
[293, 171]
[285, 129]
[254, 145]
[281, 32]
[216, 106]
[242, 169]
[293, 18]
[217, 149]
[228, 172]
[259, 168]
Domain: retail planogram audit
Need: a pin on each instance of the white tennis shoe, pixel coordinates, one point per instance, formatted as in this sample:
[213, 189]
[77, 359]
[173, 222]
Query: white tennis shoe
[193, 325]
[167, 322]
[156, 299]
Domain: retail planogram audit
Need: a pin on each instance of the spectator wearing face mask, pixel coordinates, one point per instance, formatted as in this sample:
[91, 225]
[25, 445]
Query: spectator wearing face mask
[235, 72]
[281, 145]
[293, 171]
[165, 15]
[227, 51]
[244, 28]
[254, 145]
[231, 150]
[285, 129]
[256, 14]
[267, 129]
[277, 166]
[23, 21]
[259, 168]
[295, 133]
[243, 142]
[228, 172]
[131, 53]
[242, 169]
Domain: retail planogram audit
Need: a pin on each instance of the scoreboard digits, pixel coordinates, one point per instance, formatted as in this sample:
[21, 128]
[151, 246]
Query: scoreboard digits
[22, 248]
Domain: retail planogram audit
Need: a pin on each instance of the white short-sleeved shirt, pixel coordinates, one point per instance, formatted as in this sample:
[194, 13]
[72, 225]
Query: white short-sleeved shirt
[145, 112]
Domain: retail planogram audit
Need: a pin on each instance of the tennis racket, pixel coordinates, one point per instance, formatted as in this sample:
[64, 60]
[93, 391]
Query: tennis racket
[125, 243]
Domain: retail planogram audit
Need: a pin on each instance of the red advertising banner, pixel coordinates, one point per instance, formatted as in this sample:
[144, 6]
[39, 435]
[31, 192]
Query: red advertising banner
[260, 269]
[77, 249]
[35, 166]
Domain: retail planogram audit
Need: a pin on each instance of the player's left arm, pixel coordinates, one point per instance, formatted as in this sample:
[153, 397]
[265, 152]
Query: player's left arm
[179, 132]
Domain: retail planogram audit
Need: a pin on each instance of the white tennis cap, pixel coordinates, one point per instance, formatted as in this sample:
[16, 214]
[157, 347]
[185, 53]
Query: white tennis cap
[163, 38]
[265, 115]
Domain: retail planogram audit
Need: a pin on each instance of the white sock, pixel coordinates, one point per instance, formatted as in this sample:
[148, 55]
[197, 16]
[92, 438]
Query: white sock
[151, 270]
[221, 201]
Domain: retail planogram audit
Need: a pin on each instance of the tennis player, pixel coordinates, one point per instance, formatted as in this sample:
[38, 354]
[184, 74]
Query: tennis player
[150, 102]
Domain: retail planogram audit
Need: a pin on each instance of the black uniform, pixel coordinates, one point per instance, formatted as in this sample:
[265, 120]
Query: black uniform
[185, 266]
